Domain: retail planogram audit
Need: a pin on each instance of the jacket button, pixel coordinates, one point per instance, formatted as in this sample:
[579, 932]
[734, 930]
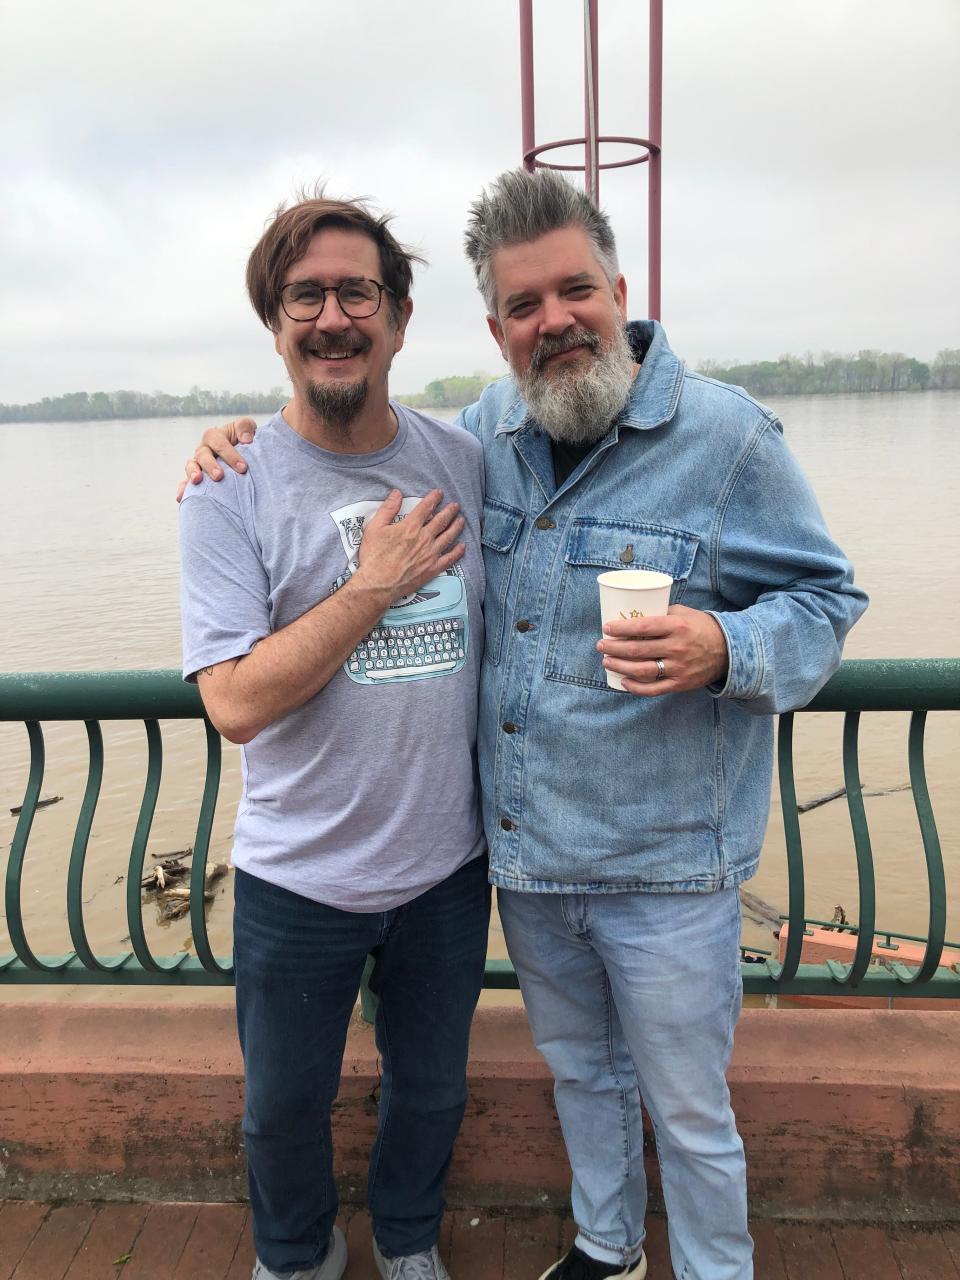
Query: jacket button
[544, 522]
[509, 727]
[524, 625]
[506, 824]
[626, 555]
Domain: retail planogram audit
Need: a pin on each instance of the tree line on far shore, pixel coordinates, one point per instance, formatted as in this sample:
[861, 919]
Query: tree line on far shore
[84, 406]
[448, 393]
[867, 371]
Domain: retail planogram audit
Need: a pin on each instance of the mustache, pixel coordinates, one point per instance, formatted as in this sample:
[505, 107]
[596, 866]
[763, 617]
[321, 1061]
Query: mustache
[326, 343]
[553, 344]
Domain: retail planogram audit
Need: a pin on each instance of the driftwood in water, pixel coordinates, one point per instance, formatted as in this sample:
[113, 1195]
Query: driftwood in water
[173, 899]
[170, 869]
[760, 912]
[807, 805]
[173, 908]
[213, 875]
[182, 894]
[842, 791]
[175, 902]
[41, 804]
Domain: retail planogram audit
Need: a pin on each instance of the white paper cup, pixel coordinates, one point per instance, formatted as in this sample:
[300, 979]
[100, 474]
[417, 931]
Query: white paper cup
[632, 593]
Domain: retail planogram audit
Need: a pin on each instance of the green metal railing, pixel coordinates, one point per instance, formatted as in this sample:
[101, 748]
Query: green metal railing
[92, 697]
[914, 686]
[918, 687]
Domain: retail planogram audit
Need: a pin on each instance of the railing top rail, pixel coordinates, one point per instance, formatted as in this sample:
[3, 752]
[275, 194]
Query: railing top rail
[98, 695]
[891, 684]
[861, 684]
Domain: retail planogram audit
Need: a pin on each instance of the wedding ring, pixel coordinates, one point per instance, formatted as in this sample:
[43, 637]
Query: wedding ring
[661, 673]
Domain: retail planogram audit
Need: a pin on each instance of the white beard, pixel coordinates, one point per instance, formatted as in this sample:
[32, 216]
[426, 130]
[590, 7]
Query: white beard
[574, 407]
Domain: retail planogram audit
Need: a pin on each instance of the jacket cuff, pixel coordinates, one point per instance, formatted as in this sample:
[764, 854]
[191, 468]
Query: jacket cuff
[745, 657]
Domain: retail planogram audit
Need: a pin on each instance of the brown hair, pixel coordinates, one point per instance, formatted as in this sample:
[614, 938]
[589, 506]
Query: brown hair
[288, 236]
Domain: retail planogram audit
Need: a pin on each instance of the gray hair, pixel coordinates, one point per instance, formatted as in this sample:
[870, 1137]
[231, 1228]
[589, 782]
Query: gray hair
[520, 206]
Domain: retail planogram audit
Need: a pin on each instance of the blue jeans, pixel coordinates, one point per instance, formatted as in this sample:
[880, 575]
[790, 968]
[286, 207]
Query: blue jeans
[630, 996]
[298, 970]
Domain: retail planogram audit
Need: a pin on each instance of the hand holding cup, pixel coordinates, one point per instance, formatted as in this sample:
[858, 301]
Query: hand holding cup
[650, 647]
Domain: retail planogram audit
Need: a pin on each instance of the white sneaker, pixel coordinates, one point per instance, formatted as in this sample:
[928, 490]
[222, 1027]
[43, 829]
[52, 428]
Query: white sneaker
[331, 1268]
[413, 1266]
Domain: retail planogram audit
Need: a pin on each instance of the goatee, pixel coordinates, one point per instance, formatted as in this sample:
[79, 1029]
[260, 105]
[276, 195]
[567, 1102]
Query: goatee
[573, 405]
[338, 404]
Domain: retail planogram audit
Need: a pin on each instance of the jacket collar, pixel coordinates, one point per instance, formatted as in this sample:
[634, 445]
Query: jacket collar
[656, 388]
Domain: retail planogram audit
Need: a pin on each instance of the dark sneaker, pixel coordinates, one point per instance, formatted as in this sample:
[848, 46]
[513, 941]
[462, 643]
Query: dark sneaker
[331, 1268]
[576, 1265]
[413, 1266]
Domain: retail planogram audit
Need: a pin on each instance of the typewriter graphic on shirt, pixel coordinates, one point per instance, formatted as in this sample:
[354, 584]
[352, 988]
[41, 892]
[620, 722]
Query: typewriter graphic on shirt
[421, 635]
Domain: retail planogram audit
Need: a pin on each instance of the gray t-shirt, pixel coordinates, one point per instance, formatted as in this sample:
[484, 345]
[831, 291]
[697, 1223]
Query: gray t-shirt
[366, 796]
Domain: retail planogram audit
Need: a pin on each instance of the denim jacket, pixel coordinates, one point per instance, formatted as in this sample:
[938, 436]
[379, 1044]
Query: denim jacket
[589, 789]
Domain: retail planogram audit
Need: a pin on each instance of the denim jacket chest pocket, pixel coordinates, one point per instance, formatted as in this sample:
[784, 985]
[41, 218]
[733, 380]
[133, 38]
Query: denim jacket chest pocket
[592, 547]
[498, 536]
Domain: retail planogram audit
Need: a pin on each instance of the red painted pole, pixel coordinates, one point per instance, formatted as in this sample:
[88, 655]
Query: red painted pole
[591, 101]
[527, 127]
[592, 136]
[654, 177]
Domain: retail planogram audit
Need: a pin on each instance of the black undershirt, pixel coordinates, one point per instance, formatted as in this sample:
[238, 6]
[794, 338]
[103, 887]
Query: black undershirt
[567, 457]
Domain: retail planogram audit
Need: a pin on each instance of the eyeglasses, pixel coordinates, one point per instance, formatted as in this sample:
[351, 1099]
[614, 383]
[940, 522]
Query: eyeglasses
[359, 298]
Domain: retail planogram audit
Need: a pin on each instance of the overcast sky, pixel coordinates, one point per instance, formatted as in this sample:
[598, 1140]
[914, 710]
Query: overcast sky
[811, 172]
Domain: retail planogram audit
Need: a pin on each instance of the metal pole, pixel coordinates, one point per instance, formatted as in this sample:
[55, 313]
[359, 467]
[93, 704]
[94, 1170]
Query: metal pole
[591, 137]
[591, 99]
[528, 131]
[653, 177]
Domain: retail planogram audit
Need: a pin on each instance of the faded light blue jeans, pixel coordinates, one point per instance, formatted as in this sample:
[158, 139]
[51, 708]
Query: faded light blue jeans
[630, 996]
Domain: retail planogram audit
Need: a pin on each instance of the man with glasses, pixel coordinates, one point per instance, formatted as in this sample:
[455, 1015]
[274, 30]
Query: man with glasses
[331, 598]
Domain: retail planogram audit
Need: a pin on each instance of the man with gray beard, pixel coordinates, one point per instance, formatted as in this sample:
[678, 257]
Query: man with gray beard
[621, 822]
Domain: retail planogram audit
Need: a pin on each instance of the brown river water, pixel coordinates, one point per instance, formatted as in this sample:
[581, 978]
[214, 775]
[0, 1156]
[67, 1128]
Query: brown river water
[89, 580]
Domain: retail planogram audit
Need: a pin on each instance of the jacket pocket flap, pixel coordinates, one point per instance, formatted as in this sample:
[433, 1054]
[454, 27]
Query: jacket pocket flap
[500, 526]
[625, 545]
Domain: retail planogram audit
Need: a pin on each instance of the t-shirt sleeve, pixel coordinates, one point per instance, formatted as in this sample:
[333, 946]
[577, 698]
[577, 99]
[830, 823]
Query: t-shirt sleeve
[224, 592]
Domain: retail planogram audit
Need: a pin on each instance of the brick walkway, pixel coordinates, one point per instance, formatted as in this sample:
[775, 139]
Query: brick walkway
[212, 1242]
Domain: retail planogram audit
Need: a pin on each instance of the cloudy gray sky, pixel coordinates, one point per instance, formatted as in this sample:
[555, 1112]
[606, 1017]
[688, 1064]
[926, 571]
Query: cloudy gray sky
[811, 175]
